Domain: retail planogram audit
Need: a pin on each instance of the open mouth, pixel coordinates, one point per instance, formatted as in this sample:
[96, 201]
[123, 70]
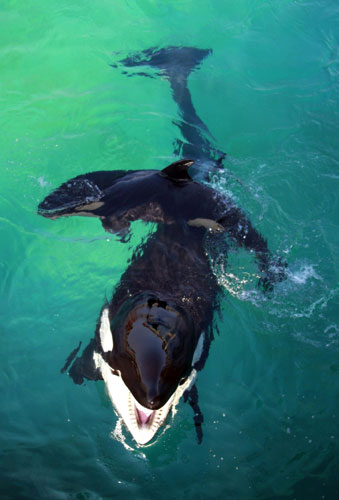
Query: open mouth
[142, 423]
[143, 415]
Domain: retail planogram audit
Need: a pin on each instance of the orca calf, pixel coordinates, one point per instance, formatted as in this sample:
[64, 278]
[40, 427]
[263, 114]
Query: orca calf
[155, 333]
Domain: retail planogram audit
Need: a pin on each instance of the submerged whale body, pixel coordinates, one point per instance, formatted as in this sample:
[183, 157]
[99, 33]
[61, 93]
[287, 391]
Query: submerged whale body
[155, 333]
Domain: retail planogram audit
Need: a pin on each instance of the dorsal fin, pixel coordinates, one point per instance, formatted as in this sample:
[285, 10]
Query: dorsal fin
[178, 171]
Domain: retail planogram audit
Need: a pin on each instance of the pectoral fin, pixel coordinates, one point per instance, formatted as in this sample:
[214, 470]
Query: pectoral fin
[79, 196]
[192, 397]
[82, 367]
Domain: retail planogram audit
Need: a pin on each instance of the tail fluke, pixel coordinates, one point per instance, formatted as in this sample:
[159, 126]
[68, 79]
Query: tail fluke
[176, 64]
[171, 61]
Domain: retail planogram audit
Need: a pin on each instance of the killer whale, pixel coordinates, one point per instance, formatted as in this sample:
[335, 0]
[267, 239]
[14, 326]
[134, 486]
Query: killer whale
[155, 333]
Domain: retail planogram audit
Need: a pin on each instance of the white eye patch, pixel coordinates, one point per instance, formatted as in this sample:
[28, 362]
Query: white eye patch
[106, 337]
[198, 350]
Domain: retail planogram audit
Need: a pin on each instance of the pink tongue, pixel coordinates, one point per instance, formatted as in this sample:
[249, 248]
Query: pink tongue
[142, 417]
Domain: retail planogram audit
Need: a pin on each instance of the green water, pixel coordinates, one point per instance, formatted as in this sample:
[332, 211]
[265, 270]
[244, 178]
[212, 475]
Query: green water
[269, 392]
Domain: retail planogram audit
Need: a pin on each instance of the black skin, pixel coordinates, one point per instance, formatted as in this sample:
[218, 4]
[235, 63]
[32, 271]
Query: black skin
[154, 196]
[167, 296]
[172, 296]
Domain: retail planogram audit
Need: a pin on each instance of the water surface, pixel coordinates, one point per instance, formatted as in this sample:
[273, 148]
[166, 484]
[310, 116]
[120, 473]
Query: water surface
[269, 94]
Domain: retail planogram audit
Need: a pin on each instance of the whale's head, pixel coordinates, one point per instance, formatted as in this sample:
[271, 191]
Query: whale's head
[146, 361]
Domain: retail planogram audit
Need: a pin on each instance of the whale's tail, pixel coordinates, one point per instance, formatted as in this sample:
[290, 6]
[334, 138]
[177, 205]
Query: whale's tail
[176, 64]
[171, 61]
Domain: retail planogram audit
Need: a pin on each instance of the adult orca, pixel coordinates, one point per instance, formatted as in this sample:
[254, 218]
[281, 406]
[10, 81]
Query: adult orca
[154, 334]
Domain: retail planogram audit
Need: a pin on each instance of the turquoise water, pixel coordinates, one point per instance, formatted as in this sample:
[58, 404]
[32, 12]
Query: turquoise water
[269, 94]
